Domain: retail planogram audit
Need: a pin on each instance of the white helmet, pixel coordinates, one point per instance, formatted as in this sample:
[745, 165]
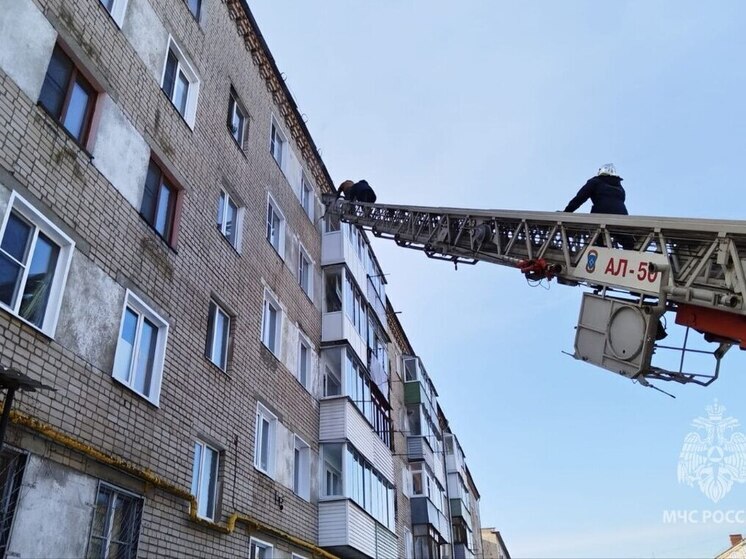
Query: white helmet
[607, 169]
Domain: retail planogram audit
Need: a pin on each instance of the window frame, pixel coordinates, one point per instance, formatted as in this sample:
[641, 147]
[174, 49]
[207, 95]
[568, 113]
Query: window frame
[264, 415]
[117, 11]
[78, 76]
[200, 10]
[303, 342]
[139, 500]
[310, 271]
[186, 67]
[214, 312]
[62, 267]
[165, 180]
[274, 206]
[271, 301]
[302, 471]
[257, 543]
[277, 141]
[205, 446]
[143, 310]
[224, 202]
[307, 196]
[236, 106]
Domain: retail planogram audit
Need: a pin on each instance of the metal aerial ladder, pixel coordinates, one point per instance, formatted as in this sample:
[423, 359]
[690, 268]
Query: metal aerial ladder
[636, 269]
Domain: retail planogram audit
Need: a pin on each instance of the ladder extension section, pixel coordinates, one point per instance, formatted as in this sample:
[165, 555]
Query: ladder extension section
[706, 266]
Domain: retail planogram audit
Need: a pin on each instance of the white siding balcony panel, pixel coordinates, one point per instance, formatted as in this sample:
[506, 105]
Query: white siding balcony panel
[418, 449]
[335, 326]
[362, 530]
[342, 523]
[340, 420]
[333, 523]
[336, 249]
[388, 547]
[332, 248]
[438, 469]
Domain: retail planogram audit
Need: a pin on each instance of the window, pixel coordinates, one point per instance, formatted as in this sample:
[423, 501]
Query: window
[306, 196]
[116, 8]
[238, 121]
[304, 363]
[332, 476]
[205, 479]
[332, 384]
[332, 290]
[406, 482]
[361, 390]
[180, 83]
[332, 359]
[408, 544]
[34, 260]
[230, 217]
[266, 425]
[11, 476]
[158, 206]
[355, 306]
[116, 524]
[368, 488]
[305, 272]
[276, 142]
[260, 550]
[218, 336]
[138, 361]
[302, 469]
[275, 227]
[272, 324]
[68, 96]
[195, 6]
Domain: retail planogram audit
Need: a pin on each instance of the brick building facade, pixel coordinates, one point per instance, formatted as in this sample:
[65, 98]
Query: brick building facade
[164, 267]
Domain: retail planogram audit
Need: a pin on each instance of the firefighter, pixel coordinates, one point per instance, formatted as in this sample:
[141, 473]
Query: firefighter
[607, 194]
[359, 191]
[604, 190]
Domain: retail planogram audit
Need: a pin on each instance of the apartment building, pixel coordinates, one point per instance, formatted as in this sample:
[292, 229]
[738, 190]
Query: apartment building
[223, 366]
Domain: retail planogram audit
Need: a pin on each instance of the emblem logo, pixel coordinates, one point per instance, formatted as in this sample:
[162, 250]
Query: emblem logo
[590, 263]
[714, 458]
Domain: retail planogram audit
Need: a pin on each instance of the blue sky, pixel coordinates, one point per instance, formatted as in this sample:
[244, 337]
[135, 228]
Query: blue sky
[491, 104]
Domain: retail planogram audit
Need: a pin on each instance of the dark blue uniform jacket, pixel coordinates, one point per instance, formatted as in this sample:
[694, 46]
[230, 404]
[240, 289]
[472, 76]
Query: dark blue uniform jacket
[606, 193]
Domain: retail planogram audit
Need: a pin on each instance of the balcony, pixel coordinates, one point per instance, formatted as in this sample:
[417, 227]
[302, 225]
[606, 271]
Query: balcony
[376, 303]
[459, 509]
[335, 326]
[461, 551]
[348, 531]
[341, 420]
[335, 249]
[425, 512]
[377, 373]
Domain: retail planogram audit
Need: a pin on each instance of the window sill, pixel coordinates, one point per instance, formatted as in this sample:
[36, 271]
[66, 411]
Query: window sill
[239, 147]
[264, 473]
[226, 240]
[307, 295]
[183, 119]
[301, 497]
[25, 322]
[163, 241]
[277, 252]
[217, 368]
[272, 353]
[154, 403]
[67, 133]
